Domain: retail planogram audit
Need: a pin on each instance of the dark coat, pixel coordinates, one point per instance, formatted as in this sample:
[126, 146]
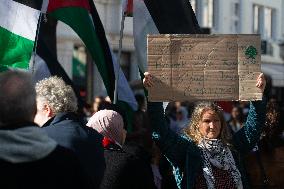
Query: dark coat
[69, 131]
[185, 155]
[127, 168]
[60, 169]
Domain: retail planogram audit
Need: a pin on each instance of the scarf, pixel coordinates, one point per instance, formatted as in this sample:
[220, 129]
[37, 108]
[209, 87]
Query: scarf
[217, 154]
[108, 123]
[25, 144]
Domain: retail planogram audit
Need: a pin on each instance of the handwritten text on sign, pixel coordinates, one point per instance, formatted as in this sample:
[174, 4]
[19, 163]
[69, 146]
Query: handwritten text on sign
[204, 67]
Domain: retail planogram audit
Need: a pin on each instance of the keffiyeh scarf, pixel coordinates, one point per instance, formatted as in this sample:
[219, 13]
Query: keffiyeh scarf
[217, 154]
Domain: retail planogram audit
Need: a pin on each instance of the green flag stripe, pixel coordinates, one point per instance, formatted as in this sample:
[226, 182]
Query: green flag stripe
[15, 51]
[82, 24]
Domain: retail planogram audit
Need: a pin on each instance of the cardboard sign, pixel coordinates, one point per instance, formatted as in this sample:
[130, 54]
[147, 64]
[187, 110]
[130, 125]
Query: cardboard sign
[204, 67]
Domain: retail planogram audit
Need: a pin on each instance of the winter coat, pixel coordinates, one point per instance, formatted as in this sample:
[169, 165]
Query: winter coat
[69, 131]
[184, 154]
[30, 159]
[127, 168]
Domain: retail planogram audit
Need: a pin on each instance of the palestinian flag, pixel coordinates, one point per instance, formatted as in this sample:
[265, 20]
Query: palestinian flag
[18, 26]
[82, 17]
[160, 17]
[127, 6]
[143, 25]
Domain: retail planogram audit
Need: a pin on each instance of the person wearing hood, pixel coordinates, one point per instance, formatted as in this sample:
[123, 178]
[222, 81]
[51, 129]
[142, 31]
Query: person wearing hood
[28, 157]
[126, 164]
[182, 120]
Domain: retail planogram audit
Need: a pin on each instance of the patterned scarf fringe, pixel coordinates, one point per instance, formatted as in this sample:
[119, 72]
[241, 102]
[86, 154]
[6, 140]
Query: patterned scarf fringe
[217, 154]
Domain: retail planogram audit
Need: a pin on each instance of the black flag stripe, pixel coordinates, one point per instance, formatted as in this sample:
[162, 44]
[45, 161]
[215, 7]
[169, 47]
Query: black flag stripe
[173, 16]
[106, 49]
[35, 4]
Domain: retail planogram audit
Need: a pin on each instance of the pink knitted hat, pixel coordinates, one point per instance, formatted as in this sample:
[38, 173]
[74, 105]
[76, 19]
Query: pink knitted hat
[108, 123]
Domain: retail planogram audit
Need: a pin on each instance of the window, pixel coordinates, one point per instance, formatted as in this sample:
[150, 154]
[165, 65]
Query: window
[208, 13]
[236, 9]
[256, 15]
[264, 21]
[235, 18]
[267, 22]
[274, 25]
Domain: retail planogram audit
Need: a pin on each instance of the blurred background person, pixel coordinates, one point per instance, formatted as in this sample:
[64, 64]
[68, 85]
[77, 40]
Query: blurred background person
[182, 120]
[141, 133]
[107, 99]
[97, 101]
[264, 163]
[244, 105]
[141, 136]
[237, 119]
[127, 167]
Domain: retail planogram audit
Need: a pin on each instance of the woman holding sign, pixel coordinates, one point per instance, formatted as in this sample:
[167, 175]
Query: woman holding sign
[206, 155]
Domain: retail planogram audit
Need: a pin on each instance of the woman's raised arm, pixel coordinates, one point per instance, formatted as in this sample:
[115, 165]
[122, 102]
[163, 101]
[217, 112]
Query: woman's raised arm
[247, 137]
[174, 147]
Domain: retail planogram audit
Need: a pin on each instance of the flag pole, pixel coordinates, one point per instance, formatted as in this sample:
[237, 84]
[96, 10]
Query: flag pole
[119, 57]
[35, 45]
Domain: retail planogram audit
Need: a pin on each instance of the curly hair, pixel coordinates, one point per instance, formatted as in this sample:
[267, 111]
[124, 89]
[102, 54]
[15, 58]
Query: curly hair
[59, 96]
[193, 129]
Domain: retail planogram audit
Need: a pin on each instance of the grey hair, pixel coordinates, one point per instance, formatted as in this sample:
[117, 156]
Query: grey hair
[57, 94]
[17, 97]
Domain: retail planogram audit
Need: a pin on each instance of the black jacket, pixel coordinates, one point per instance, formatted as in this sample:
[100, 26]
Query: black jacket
[127, 168]
[70, 131]
[30, 159]
[60, 169]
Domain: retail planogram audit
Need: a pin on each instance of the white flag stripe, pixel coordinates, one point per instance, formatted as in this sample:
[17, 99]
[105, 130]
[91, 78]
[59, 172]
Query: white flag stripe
[19, 19]
[124, 92]
[143, 24]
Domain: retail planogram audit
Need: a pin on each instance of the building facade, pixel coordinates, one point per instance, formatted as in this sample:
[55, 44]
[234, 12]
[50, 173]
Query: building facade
[264, 17]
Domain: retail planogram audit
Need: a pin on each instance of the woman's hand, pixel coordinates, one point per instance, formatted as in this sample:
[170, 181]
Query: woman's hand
[261, 82]
[148, 80]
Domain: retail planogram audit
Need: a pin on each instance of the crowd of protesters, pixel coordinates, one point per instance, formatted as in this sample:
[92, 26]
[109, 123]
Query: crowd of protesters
[46, 144]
